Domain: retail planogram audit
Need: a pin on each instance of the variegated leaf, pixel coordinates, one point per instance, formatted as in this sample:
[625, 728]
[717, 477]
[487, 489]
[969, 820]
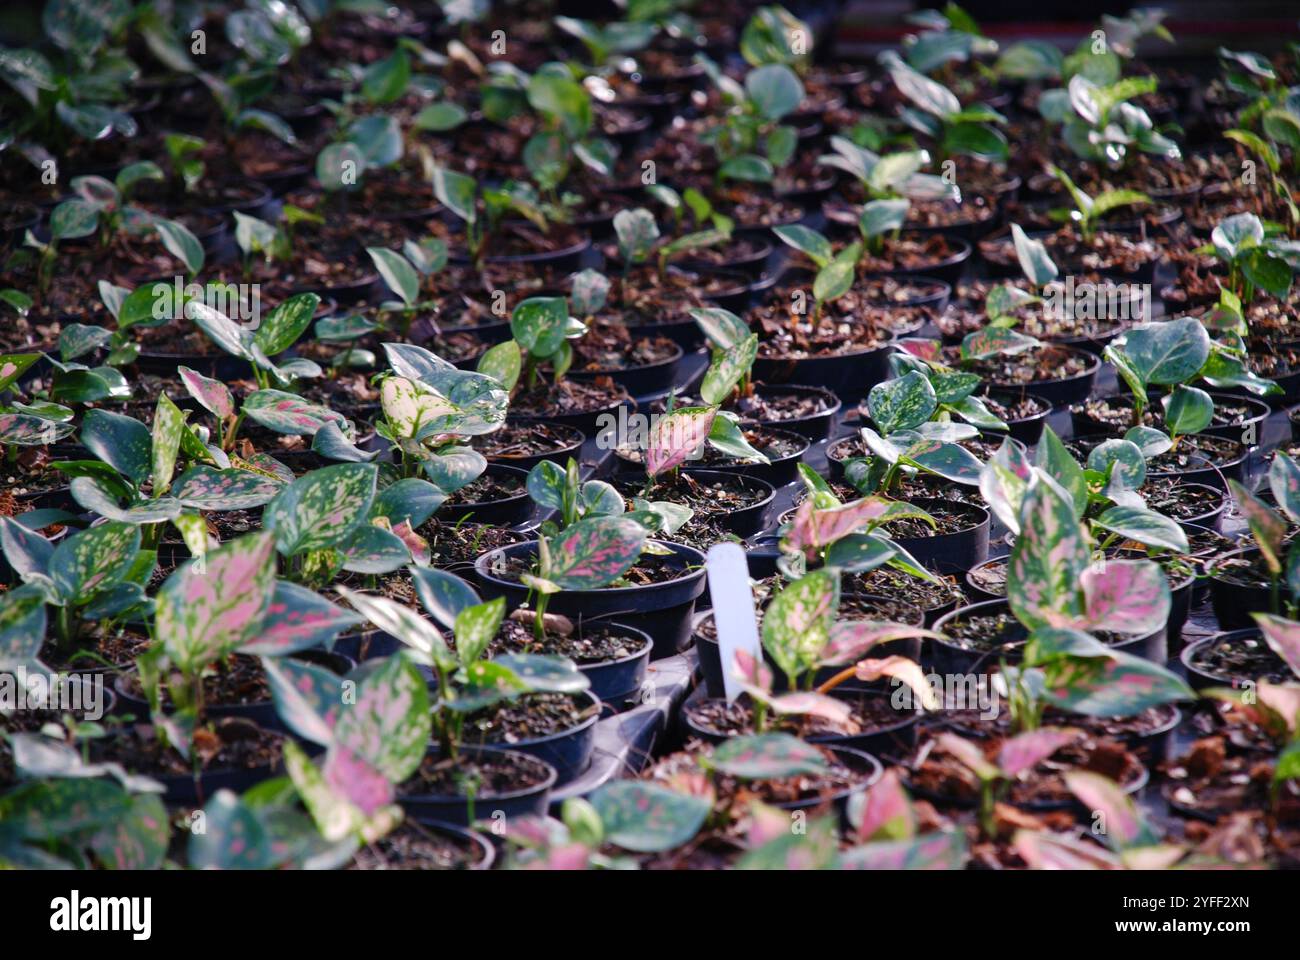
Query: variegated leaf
[409, 405]
[1126, 596]
[1023, 752]
[320, 509]
[203, 488]
[1124, 825]
[298, 618]
[768, 756]
[25, 430]
[388, 726]
[594, 552]
[93, 560]
[1048, 559]
[213, 395]
[1284, 637]
[308, 698]
[883, 811]
[168, 424]
[1268, 528]
[676, 436]
[797, 623]
[289, 413]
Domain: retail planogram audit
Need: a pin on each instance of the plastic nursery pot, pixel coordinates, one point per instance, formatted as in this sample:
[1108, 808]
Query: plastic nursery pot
[752, 265]
[947, 656]
[1064, 391]
[563, 260]
[662, 610]
[569, 444]
[868, 771]
[502, 512]
[1251, 424]
[568, 751]
[953, 552]
[617, 683]
[778, 472]
[949, 269]
[640, 380]
[1028, 430]
[744, 292]
[456, 809]
[1210, 519]
[850, 375]
[346, 294]
[814, 426]
[367, 645]
[1234, 602]
[261, 712]
[744, 521]
[1211, 474]
[1202, 676]
[588, 421]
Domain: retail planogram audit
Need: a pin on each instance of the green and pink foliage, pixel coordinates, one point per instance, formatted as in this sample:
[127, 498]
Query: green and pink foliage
[1003, 482]
[93, 560]
[851, 639]
[205, 611]
[298, 618]
[647, 818]
[797, 623]
[1284, 637]
[308, 698]
[26, 550]
[727, 368]
[1023, 752]
[943, 850]
[992, 341]
[766, 756]
[25, 430]
[1126, 596]
[13, 366]
[426, 645]
[816, 848]
[883, 811]
[593, 552]
[120, 441]
[1083, 675]
[337, 816]
[923, 349]
[904, 671]
[212, 395]
[1266, 526]
[1284, 482]
[168, 427]
[1122, 825]
[813, 528]
[1043, 850]
[1048, 559]
[944, 459]
[290, 414]
[206, 488]
[321, 509]
[968, 755]
[676, 436]
[58, 823]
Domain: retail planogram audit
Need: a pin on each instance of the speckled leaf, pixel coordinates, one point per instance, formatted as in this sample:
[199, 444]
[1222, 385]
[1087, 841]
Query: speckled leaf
[901, 404]
[409, 404]
[647, 818]
[205, 611]
[1187, 410]
[289, 413]
[1003, 481]
[722, 327]
[812, 528]
[503, 363]
[1043, 850]
[543, 672]
[767, 756]
[24, 430]
[594, 552]
[1122, 456]
[443, 594]
[992, 341]
[1168, 351]
[1145, 526]
[1283, 636]
[168, 424]
[47, 810]
[1055, 459]
[1150, 441]
[809, 704]
[13, 366]
[948, 460]
[296, 619]
[475, 626]
[118, 440]
[388, 726]
[540, 324]
[1284, 481]
[203, 488]
[1035, 262]
[22, 626]
[637, 233]
[137, 838]
[415, 363]
[816, 848]
[372, 549]
[308, 698]
[352, 777]
[281, 328]
[454, 467]
[335, 815]
[1023, 752]
[233, 839]
[883, 811]
[78, 339]
[1265, 525]
[94, 559]
[411, 499]
[1124, 826]
[91, 494]
[588, 292]
[674, 437]
[320, 509]
[26, 550]
[1048, 559]
[797, 623]
[728, 366]
[1116, 685]
[426, 643]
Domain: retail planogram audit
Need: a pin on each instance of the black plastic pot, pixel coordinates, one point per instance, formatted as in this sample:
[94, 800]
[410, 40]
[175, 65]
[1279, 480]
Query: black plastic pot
[366, 645]
[575, 438]
[778, 472]
[564, 260]
[1251, 425]
[1202, 679]
[568, 751]
[815, 426]
[617, 683]
[345, 294]
[1028, 430]
[743, 522]
[752, 265]
[949, 270]
[220, 366]
[945, 657]
[860, 762]
[504, 513]
[1211, 520]
[641, 380]
[1063, 392]
[850, 375]
[951, 552]
[662, 610]
[588, 421]
[455, 810]
[1234, 603]
[1209, 475]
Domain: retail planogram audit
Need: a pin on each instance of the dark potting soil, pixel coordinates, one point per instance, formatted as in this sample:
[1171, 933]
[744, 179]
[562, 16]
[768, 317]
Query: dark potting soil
[1181, 502]
[28, 474]
[1105, 250]
[772, 404]
[608, 346]
[231, 743]
[714, 496]
[910, 253]
[787, 335]
[949, 518]
[522, 439]
[451, 544]
[887, 582]
[987, 632]
[939, 775]
[568, 397]
[1242, 658]
[736, 718]
[584, 642]
[118, 650]
[488, 488]
[1009, 407]
[483, 775]
[1194, 451]
[1212, 780]
[1117, 413]
[1035, 365]
[413, 847]
[1112, 728]
[237, 680]
[649, 568]
[772, 444]
[530, 717]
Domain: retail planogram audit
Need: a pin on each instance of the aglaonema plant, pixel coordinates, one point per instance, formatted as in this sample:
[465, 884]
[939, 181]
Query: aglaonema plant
[275, 333]
[1255, 257]
[936, 112]
[1099, 124]
[1087, 212]
[467, 681]
[1268, 528]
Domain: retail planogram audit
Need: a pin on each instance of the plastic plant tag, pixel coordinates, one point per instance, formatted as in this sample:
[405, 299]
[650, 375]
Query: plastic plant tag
[733, 610]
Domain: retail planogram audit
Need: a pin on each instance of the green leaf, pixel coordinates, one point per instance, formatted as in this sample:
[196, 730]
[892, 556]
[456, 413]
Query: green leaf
[647, 818]
[809, 241]
[1035, 263]
[1167, 352]
[768, 756]
[119, 440]
[94, 560]
[168, 425]
[397, 272]
[881, 216]
[593, 552]
[902, 404]
[1145, 526]
[502, 363]
[386, 80]
[73, 219]
[280, 329]
[774, 90]
[319, 510]
[181, 243]
[1187, 410]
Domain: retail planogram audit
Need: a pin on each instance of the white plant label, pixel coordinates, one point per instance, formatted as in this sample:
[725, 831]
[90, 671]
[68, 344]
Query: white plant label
[733, 609]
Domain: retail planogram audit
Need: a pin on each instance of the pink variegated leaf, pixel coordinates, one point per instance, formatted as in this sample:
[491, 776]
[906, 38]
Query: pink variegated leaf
[208, 609]
[1026, 750]
[808, 704]
[883, 811]
[296, 619]
[1161, 856]
[932, 851]
[1004, 480]
[797, 623]
[1283, 636]
[353, 778]
[418, 546]
[753, 672]
[1266, 525]
[1048, 559]
[1121, 824]
[903, 670]
[812, 529]
[308, 698]
[766, 824]
[851, 639]
[290, 413]
[1284, 481]
[1125, 596]
[968, 755]
[676, 436]
[920, 347]
[212, 395]
[594, 552]
[388, 726]
[1042, 850]
[1282, 699]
